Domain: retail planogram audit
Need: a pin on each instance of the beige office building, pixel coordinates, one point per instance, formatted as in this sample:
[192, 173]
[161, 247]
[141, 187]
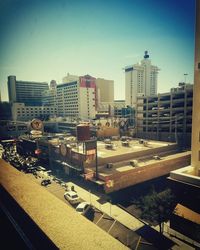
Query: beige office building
[105, 90]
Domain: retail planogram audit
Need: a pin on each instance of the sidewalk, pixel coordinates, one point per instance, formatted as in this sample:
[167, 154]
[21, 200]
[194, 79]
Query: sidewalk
[106, 207]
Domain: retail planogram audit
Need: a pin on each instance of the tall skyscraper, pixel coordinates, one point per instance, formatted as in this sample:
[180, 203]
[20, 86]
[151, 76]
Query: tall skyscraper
[140, 79]
[26, 92]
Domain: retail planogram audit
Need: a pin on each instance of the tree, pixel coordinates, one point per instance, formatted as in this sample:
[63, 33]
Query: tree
[157, 207]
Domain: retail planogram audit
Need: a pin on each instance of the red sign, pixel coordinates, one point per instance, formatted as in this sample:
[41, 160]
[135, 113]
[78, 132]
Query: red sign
[87, 81]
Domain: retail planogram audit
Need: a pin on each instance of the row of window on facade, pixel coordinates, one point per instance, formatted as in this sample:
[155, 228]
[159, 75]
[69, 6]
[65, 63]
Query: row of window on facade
[70, 104]
[68, 98]
[37, 111]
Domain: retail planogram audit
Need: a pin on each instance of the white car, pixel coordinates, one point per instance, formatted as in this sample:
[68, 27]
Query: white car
[72, 197]
[83, 207]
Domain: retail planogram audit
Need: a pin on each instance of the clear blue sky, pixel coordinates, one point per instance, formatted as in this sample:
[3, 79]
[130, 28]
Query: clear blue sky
[44, 40]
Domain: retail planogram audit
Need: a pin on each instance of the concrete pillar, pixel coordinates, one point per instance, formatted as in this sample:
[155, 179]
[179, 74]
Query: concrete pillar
[195, 162]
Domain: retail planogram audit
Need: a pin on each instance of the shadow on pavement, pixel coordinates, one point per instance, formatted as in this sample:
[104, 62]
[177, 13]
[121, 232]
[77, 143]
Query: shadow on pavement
[157, 239]
[90, 214]
[103, 200]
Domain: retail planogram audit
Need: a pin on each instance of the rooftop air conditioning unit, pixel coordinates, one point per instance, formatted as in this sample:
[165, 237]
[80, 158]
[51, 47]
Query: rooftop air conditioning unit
[134, 163]
[156, 157]
[109, 165]
[145, 143]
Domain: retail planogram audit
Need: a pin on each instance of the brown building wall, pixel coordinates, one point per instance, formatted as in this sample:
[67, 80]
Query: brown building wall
[140, 174]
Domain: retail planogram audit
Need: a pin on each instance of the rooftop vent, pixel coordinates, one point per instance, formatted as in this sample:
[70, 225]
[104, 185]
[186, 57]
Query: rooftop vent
[134, 163]
[156, 157]
[109, 165]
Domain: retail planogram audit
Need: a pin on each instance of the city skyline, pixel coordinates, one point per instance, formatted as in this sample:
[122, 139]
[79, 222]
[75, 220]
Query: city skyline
[45, 40]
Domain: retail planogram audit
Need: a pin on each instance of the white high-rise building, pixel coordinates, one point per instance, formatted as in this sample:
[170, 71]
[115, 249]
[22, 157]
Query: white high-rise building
[77, 99]
[140, 79]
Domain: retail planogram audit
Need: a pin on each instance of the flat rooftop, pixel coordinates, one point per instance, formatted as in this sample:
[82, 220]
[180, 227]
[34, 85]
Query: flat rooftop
[186, 175]
[108, 148]
[141, 162]
[119, 147]
[120, 153]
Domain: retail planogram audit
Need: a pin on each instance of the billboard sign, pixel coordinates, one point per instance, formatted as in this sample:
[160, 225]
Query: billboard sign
[90, 145]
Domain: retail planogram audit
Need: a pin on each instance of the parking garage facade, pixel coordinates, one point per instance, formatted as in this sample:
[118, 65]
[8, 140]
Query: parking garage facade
[166, 117]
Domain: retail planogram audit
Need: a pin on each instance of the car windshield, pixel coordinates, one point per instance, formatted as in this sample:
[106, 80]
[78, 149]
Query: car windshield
[79, 209]
[74, 196]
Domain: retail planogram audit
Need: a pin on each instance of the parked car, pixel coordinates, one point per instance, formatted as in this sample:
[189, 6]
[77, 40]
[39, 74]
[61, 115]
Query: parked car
[40, 168]
[45, 182]
[30, 170]
[72, 197]
[83, 207]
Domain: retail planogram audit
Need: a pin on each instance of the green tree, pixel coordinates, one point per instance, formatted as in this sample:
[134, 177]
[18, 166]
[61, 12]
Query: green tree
[157, 207]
